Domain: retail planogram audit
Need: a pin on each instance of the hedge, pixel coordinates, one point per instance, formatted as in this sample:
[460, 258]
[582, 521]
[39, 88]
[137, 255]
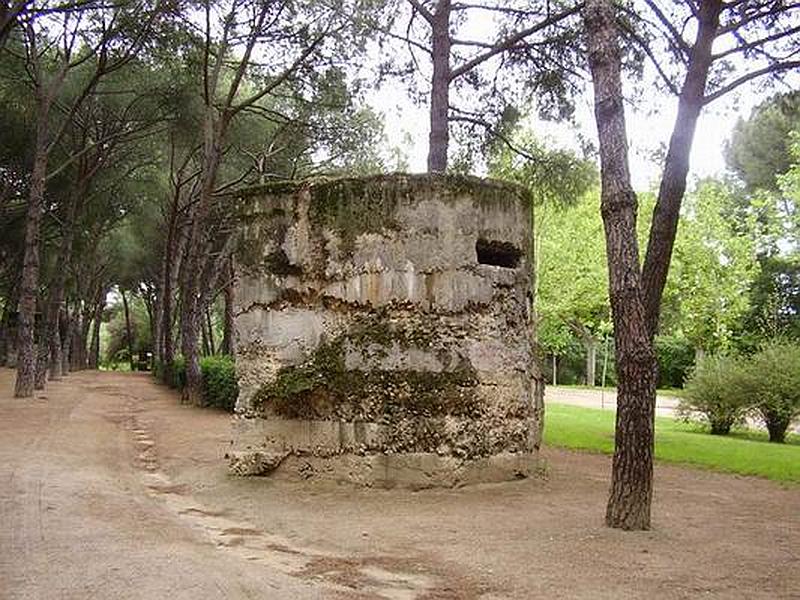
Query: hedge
[220, 388]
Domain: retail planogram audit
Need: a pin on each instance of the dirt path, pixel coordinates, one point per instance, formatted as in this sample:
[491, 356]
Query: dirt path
[602, 398]
[110, 489]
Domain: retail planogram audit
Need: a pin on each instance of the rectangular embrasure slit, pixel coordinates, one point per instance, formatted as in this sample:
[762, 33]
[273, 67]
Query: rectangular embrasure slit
[499, 254]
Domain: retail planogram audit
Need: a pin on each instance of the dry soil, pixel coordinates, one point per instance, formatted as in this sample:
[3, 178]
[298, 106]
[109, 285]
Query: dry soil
[112, 489]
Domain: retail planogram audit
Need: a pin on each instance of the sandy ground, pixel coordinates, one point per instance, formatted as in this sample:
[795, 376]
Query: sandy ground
[111, 489]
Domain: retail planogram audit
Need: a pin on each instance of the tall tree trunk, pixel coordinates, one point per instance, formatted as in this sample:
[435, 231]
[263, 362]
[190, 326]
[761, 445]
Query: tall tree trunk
[214, 130]
[227, 329]
[42, 352]
[167, 348]
[676, 167]
[204, 336]
[440, 89]
[29, 287]
[56, 296]
[128, 329]
[210, 332]
[591, 360]
[97, 319]
[632, 471]
[74, 350]
[174, 252]
[190, 329]
[66, 341]
[9, 357]
[83, 332]
[6, 329]
[156, 321]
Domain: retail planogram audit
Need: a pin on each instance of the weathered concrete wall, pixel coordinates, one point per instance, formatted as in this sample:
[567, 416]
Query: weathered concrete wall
[384, 332]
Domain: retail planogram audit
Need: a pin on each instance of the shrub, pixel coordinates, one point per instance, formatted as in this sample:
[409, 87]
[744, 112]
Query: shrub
[220, 388]
[711, 390]
[178, 373]
[675, 356]
[219, 382]
[770, 382]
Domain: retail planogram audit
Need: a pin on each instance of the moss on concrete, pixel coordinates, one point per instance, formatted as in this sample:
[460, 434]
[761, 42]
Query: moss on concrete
[323, 388]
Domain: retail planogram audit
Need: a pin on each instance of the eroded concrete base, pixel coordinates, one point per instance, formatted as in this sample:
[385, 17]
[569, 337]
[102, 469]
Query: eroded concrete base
[413, 470]
[355, 452]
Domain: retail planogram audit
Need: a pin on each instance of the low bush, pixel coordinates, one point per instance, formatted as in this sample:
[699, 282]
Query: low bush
[220, 388]
[725, 388]
[713, 391]
[178, 379]
[219, 382]
[769, 382]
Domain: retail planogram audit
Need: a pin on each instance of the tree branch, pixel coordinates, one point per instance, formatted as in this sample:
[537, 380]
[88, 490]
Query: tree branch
[512, 40]
[770, 69]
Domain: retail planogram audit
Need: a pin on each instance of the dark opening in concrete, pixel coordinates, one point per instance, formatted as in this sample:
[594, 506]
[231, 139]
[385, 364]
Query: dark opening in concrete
[499, 254]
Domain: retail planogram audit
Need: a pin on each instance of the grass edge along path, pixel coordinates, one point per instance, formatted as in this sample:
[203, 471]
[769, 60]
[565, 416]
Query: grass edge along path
[744, 452]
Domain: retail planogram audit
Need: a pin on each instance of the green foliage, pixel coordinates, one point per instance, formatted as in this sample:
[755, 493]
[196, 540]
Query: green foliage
[712, 391]
[770, 382]
[178, 373]
[742, 452]
[723, 388]
[220, 388]
[789, 184]
[675, 355]
[116, 349]
[759, 148]
[712, 269]
[571, 264]
[556, 177]
[774, 299]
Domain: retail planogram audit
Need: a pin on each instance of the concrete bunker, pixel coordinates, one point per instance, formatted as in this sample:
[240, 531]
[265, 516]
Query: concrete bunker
[384, 331]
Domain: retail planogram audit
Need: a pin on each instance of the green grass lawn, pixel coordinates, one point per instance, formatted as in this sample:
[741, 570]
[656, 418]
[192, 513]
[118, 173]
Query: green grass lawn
[746, 452]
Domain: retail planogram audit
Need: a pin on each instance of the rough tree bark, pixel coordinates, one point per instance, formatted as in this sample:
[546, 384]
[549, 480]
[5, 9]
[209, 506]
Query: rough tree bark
[191, 309]
[97, 318]
[80, 347]
[676, 167]
[174, 247]
[156, 321]
[29, 285]
[42, 351]
[439, 137]
[204, 336]
[128, 329]
[632, 470]
[211, 345]
[9, 348]
[227, 330]
[56, 296]
[69, 324]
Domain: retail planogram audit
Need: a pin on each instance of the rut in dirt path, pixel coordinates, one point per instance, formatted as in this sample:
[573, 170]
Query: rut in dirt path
[392, 578]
